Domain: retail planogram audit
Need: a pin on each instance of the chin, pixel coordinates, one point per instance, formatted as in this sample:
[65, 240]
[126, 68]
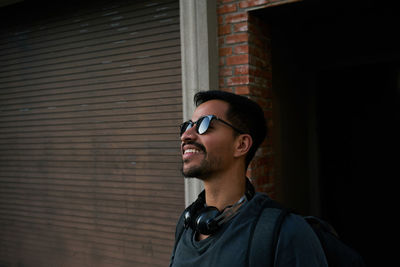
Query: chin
[200, 170]
[194, 172]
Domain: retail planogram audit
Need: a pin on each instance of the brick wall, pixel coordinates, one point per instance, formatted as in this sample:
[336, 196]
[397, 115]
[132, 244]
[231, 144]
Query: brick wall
[245, 69]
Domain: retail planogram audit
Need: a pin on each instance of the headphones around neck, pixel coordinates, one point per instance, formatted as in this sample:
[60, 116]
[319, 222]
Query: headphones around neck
[207, 220]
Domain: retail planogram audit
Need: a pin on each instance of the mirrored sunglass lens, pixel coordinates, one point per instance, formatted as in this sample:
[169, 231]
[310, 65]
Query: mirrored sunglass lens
[203, 125]
[185, 126]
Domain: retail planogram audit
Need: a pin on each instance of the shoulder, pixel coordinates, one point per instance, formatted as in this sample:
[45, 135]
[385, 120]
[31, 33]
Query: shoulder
[262, 200]
[294, 226]
[298, 244]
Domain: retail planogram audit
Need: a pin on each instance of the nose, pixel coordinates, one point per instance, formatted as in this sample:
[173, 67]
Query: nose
[190, 134]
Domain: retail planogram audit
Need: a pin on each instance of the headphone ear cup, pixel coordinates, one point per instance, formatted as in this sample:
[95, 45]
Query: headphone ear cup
[205, 222]
[191, 212]
[187, 218]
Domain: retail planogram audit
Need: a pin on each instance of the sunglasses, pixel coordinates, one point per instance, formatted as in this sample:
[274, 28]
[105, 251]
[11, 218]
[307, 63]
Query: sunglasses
[203, 123]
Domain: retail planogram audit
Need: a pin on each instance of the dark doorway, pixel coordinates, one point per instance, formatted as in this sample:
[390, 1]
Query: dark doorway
[357, 119]
[336, 83]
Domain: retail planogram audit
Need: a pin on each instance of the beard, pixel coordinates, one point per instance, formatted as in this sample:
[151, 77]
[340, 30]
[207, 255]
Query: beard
[201, 171]
[204, 169]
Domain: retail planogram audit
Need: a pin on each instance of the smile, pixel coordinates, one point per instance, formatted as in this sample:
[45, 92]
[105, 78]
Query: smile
[190, 150]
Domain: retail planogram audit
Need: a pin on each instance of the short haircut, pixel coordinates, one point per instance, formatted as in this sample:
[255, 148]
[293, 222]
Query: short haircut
[243, 113]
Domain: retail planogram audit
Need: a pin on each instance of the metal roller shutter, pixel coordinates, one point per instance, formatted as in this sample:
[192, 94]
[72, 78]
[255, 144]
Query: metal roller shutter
[90, 100]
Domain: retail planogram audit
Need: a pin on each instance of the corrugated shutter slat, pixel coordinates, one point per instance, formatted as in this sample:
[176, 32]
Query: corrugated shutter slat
[90, 101]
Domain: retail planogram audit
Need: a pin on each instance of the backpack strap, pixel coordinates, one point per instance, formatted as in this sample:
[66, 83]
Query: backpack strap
[265, 233]
[277, 231]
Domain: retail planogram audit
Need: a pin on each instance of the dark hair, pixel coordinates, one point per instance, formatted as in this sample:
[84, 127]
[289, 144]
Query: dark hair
[243, 113]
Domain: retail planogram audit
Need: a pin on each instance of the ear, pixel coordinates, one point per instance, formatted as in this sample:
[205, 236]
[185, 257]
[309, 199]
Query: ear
[243, 144]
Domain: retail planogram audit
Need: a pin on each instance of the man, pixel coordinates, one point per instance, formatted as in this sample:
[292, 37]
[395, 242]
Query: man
[218, 228]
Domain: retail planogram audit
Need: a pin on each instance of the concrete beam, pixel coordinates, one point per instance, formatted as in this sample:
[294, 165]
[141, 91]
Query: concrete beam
[199, 52]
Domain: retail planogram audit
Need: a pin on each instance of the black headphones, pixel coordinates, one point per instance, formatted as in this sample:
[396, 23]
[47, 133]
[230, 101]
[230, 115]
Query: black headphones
[207, 220]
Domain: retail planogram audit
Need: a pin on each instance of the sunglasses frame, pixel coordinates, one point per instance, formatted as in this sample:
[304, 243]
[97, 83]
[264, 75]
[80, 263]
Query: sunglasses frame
[200, 120]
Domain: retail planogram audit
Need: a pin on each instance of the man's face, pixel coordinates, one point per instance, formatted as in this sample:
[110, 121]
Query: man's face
[212, 152]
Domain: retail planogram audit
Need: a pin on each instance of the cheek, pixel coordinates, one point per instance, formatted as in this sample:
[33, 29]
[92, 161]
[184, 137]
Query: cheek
[221, 148]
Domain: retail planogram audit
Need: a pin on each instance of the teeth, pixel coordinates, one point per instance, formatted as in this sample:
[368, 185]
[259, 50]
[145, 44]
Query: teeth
[191, 151]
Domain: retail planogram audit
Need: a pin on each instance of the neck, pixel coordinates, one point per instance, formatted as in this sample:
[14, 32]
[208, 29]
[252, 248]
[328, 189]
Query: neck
[224, 189]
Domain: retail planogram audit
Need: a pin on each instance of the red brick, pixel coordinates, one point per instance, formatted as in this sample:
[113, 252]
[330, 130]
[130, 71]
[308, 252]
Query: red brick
[241, 70]
[252, 3]
[259, 63]
[226, 89]
[262, 102]
[241, 49]
[235, 18]
[259, 52]
[221, 82]
[236, 38]
[237, 60]
[221, 61]
[224, 29]
[243, 90]
[225, 71]
[260, 91]
[245, 69]
[240, 27]
[239, 80]
[220, 20]
[228, 8]
[221, 40]
[225, 51]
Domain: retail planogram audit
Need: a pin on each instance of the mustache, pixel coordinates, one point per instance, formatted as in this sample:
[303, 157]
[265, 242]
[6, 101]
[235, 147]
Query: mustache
[197, 145]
